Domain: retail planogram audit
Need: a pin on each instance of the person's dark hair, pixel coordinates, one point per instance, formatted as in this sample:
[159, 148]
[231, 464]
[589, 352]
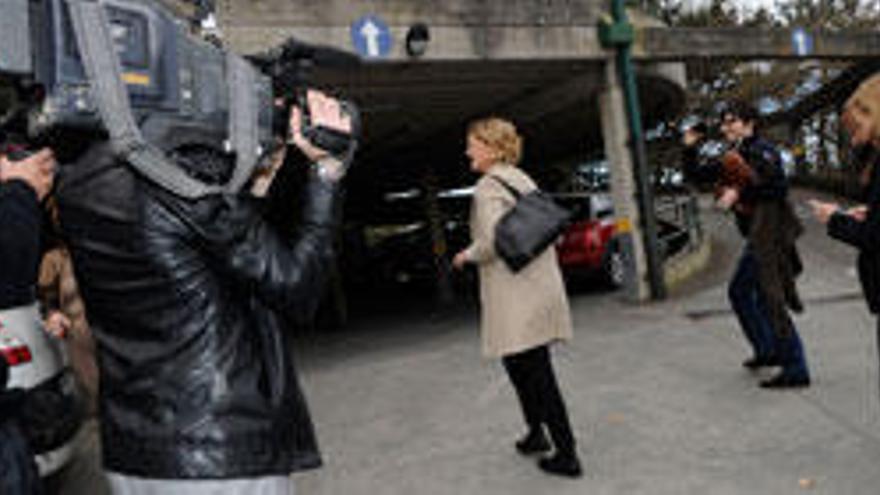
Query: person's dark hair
[742, 110]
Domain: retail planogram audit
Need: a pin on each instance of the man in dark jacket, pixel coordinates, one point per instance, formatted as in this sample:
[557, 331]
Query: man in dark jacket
[198, 389]
[762, 287]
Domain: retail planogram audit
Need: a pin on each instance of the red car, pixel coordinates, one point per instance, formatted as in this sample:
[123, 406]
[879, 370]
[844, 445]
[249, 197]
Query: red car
[589, 246]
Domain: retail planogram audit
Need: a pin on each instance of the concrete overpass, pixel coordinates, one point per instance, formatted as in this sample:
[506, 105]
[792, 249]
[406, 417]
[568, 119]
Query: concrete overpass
[539, 62]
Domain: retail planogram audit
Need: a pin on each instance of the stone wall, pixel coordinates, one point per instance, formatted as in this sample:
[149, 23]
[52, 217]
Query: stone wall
[460, 29]
[318, 13]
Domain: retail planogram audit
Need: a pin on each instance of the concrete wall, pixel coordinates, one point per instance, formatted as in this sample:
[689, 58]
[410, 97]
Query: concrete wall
[317, 13]
[460, 29]
[514, 29]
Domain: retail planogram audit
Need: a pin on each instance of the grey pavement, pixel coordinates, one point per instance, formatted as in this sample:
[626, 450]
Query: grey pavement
[656, 394]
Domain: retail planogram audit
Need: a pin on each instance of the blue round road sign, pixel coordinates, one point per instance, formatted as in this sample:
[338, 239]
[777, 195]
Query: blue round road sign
[371, 37]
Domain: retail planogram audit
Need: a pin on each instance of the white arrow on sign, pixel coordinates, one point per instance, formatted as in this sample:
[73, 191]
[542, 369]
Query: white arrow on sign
[800, 41]
[371, 33]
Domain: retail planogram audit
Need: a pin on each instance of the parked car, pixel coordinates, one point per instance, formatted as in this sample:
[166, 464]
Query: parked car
[399, 249]
[589, 245]
[38, 365]
[401, 254]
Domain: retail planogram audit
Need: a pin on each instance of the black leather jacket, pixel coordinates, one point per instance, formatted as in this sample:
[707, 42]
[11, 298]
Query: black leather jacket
[184, 298]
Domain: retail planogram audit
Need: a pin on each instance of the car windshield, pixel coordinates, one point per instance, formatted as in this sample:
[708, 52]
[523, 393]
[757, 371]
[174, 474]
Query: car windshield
[586, 206]
[593, 176]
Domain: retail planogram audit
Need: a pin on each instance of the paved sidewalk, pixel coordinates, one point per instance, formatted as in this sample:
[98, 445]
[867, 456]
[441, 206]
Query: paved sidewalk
[656, 393]
[657, 396]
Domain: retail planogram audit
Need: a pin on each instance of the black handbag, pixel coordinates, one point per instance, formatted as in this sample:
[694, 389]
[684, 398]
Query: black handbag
[526, 230]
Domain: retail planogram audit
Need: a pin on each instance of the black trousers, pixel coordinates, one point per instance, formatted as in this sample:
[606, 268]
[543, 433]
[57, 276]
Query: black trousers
[531, 373]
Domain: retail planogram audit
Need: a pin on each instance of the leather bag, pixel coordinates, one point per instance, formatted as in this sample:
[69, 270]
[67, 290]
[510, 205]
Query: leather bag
[528, 228]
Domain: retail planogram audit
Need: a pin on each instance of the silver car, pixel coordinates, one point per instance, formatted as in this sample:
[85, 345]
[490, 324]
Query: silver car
[38, 365]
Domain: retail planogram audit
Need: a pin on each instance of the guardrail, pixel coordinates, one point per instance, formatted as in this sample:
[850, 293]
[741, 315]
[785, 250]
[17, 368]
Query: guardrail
[679, 223]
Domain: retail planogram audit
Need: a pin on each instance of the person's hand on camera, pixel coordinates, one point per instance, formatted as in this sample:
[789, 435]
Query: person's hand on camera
[324, 111]
[823, 210]
[860, 213]
[37, 171]
[690, 137]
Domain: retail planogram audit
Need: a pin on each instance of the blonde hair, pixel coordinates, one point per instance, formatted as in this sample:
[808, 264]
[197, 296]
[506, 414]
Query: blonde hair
[867, 98]
[500, 135]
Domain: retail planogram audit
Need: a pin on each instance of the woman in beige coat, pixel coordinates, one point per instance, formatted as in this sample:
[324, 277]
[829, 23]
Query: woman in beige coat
[523, 312]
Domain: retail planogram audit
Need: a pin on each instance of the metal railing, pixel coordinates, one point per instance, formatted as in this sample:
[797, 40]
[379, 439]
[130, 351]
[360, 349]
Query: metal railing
[680, 228]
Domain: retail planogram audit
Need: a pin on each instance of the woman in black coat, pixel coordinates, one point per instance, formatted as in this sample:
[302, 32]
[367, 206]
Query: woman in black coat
[860, 226]
[23, 184]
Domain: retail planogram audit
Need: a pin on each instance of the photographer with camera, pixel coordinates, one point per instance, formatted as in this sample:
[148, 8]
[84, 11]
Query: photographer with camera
[198, 389]
[751, 183]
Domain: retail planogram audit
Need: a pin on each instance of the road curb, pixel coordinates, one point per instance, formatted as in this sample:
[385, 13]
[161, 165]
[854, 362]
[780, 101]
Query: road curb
[683, 266]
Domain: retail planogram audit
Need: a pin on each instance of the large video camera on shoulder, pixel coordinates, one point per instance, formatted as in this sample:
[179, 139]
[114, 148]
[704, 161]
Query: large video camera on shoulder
[132, 71]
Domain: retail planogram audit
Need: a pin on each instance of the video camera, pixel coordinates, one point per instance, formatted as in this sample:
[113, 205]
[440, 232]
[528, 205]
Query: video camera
[74, 70]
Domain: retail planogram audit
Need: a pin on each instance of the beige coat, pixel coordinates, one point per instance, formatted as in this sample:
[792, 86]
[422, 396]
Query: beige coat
[523, 310]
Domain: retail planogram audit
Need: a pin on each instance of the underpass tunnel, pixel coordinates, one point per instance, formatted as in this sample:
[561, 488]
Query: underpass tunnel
[415, 116]
[407, 199]
[539, 64]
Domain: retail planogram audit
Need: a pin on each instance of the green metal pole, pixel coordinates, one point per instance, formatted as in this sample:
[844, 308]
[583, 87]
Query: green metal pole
[645, 196]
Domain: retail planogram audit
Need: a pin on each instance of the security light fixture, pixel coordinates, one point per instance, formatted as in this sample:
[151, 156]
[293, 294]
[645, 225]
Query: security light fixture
[417, 38]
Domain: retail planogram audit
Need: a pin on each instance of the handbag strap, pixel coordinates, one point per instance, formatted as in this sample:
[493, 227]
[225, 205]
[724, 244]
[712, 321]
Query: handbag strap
[516, 194]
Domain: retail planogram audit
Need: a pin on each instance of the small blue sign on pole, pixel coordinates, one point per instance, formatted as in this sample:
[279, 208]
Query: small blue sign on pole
[371, 37]
[801, 42]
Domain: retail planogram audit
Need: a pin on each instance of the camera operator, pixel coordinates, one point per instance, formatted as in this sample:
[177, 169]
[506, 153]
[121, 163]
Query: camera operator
[198, 390]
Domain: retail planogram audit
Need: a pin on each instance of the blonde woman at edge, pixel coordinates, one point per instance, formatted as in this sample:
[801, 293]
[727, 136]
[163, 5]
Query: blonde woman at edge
[521, 313]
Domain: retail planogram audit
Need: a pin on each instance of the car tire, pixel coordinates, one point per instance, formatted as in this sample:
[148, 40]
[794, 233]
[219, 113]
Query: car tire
[614, 267]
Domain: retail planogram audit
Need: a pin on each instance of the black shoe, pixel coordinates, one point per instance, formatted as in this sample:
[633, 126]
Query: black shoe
[562, 465]
[783, 380]
[756, 362]
[535, 442]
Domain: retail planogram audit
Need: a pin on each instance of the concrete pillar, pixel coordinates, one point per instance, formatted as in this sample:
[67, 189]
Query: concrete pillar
[623, 186]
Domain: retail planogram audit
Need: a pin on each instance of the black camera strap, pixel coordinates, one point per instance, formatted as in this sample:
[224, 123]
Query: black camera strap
[97, 52]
